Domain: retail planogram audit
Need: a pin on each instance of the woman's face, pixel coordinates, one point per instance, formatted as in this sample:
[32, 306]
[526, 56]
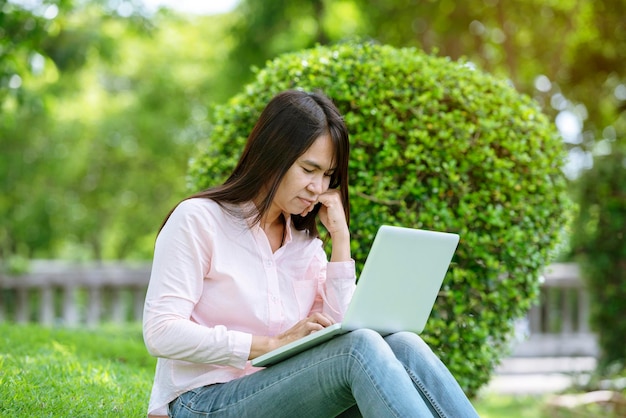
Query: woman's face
[306, 179]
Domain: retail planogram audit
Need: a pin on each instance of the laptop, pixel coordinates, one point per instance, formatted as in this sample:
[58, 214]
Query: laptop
[396, 290]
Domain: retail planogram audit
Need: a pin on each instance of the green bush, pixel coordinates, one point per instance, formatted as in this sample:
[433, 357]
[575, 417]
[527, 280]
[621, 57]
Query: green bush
[599, 242]
[440, 145]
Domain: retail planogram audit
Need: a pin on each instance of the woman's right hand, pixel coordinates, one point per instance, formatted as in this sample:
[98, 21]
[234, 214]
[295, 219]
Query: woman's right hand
[309, 325]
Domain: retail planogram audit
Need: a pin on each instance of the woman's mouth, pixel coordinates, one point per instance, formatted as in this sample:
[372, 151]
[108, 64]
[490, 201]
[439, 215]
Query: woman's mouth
[306, 202]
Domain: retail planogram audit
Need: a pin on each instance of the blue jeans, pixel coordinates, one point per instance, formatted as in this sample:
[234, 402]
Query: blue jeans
[356, 374]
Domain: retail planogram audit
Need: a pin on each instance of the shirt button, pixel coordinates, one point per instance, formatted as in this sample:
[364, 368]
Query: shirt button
[268, 263]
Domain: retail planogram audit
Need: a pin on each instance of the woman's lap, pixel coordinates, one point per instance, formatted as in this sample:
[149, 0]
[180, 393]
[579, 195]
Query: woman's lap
[327, 380]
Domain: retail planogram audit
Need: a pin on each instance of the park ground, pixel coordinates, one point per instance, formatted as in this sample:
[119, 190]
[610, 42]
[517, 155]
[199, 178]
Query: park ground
[106, 372]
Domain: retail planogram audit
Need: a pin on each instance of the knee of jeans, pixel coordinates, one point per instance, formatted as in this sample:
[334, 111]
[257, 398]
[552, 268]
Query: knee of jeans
[409, 344]
[365, 341]
[407, 338]
[370, 350]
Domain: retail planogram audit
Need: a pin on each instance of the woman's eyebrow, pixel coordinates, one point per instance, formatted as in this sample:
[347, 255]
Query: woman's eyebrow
[314, 164]
[318, 167]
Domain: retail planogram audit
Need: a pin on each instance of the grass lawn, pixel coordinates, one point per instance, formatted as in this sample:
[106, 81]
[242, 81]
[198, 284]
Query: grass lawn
[73, 373]
[56, 372]
[509, 406]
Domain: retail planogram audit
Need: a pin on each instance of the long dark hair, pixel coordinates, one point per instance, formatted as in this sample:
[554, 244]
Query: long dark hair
[287, 127]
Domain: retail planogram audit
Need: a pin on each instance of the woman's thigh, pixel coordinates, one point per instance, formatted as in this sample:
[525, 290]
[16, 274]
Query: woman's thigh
[314, 383]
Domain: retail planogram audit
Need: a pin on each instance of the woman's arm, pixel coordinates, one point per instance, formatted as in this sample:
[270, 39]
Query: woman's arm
[182, 258]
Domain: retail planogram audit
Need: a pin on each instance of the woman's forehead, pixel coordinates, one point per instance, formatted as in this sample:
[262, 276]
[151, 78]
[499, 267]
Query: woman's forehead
[321, 154]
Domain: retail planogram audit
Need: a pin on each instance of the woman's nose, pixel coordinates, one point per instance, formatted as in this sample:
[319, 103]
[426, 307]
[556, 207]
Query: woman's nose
[317, 185]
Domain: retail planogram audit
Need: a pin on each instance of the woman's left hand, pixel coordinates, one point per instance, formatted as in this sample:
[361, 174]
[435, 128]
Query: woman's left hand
[332, 214]
[333, 217]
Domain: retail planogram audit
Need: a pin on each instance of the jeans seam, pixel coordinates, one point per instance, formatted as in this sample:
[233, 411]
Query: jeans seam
[360, 362]
[185, 406]
[422, 388]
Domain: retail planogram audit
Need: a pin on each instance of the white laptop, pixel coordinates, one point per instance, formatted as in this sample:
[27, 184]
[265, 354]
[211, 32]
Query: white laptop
[396, 291]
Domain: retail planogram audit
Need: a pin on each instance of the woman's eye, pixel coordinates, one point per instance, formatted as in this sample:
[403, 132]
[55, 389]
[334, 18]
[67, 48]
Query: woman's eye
[306, 170]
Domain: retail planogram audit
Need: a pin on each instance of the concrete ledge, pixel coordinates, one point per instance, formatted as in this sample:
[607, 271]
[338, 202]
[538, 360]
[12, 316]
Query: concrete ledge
[562, 345]
[546, 365]
[539, 376]
[528, 384]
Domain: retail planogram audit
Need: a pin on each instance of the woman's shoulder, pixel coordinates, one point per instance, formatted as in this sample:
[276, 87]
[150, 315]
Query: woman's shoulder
[197, 210]
[197, 203]
[196, 206]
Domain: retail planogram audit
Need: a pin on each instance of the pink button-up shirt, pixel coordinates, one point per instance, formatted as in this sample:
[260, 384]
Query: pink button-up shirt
[215, 282]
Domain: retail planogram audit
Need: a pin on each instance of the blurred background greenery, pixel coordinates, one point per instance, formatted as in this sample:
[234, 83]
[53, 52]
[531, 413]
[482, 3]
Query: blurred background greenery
[103, 102]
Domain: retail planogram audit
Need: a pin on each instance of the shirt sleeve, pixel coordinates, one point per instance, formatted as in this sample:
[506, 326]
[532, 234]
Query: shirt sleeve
[182, 258]
[337, 283]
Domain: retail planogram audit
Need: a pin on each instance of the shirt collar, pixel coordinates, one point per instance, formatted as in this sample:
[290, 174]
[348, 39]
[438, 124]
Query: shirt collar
[288, 236]
[250, 209]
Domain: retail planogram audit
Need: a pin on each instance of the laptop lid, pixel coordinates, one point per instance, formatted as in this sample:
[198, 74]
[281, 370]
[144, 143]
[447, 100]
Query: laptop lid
[400, 280]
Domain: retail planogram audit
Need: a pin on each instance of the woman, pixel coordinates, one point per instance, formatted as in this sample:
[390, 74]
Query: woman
[239, 270]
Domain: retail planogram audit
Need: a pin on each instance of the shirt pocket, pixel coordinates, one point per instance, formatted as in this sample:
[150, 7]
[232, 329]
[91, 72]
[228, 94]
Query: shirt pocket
[305, 292]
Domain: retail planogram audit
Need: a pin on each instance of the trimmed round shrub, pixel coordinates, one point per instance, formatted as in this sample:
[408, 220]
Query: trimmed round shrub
[435, 144]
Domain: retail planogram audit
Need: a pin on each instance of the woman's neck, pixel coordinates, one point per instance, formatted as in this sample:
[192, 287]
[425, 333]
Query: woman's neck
[275, 230]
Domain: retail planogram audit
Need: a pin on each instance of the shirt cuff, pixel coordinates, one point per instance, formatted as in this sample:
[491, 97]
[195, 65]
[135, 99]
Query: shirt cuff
[241, 344]
[341, 270]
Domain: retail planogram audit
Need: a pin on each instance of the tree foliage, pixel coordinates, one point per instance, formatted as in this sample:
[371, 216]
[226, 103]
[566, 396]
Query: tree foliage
[264, 29]
[35, 48]
[599, 242]
[96, 135]
[436, 144]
